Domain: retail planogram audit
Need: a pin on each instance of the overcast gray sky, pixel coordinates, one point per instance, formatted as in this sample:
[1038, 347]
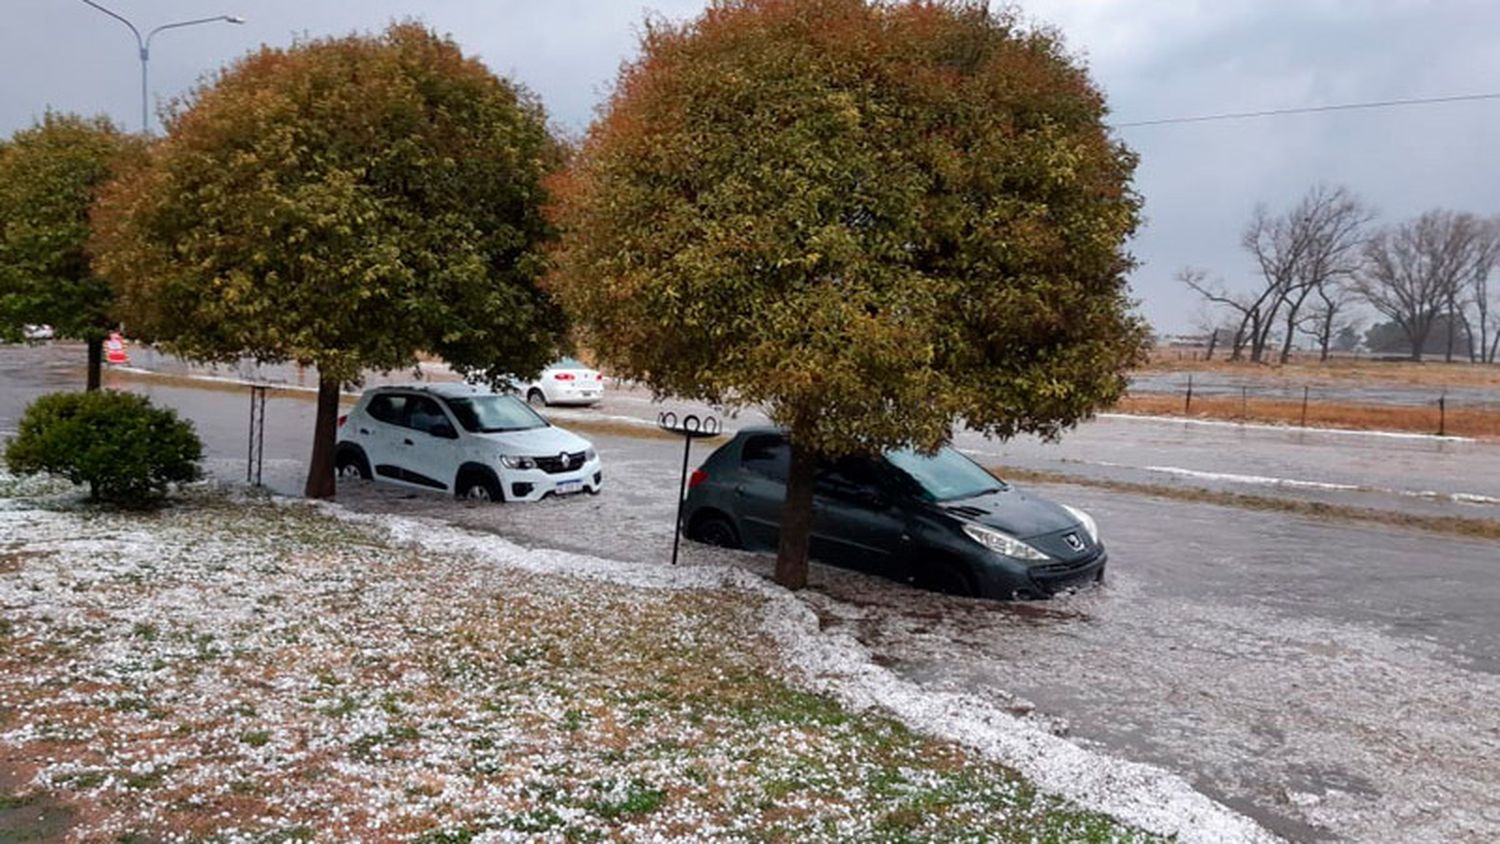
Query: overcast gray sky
[1155, 58]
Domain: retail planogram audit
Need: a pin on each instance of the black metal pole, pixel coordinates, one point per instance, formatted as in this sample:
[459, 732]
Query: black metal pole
[1187, 407]
[250, 443]
[1304, 406]
[1443, 415]
[687, 447]
[260, 437]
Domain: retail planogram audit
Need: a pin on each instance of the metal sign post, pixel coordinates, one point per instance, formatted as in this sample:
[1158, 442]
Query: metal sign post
[257, 454]
[691, 428]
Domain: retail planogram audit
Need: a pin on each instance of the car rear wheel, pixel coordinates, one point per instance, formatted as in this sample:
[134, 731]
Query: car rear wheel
[536, 398]
[479, 486]
[350, 463]
[715, 531]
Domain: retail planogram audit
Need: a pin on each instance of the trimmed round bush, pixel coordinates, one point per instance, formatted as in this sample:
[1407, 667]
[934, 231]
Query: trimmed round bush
[127, 450]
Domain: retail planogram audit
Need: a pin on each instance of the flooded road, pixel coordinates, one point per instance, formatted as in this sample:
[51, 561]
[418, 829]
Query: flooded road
[1334, 681]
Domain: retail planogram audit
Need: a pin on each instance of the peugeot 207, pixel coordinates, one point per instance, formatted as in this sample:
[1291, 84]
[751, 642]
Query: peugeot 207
[466, 440]
[940, 521]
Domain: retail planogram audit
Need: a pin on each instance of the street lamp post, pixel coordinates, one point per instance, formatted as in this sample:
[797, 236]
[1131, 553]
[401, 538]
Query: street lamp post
[144, 46]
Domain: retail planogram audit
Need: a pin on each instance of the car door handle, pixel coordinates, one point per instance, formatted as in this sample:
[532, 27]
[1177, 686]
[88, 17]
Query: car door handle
[364, 431]
[408, 442]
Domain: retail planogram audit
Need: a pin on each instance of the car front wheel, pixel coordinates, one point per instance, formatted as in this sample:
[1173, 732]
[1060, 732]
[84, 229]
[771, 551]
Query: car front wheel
[536, 398]
[480, 487]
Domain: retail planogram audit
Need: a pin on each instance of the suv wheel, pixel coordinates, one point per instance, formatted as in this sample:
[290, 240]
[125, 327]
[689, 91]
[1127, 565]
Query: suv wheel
[349, 462]
[479, 486]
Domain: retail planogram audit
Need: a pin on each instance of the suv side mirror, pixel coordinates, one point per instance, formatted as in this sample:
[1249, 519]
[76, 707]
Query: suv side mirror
[443, 430]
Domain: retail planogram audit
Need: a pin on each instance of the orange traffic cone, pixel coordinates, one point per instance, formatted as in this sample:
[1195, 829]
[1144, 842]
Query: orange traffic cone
[114, 349]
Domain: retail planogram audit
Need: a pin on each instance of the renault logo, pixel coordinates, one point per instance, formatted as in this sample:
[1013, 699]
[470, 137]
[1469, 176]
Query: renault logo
[1074, 541]
[565, 461]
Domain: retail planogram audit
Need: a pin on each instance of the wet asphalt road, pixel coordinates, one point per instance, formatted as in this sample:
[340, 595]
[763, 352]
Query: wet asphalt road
[1333, 681]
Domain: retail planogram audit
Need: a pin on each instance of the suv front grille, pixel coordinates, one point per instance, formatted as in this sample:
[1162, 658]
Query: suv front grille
[556, 466]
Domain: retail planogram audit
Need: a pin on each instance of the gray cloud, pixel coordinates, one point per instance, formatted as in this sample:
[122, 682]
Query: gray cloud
[1155, 59]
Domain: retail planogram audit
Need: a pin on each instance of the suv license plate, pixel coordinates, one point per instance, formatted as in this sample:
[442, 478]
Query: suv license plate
[569, 487]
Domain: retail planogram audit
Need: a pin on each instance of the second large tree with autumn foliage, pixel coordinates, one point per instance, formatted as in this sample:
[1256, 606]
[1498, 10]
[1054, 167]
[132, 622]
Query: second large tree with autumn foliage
[872, 219]
[346, 204]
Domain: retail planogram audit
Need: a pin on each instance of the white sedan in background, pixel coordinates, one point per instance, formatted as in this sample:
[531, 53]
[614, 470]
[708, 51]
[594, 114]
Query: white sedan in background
[567, 381]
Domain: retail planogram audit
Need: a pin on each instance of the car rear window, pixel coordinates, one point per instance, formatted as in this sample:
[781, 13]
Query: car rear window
[387, 407]
[768, 455]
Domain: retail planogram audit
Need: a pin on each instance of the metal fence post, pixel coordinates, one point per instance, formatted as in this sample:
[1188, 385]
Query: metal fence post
[1187, 407]
[1304, 406]
[1244, 403]
[1443, 415]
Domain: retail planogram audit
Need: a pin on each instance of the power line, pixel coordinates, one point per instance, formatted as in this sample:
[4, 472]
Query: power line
[1243, 115]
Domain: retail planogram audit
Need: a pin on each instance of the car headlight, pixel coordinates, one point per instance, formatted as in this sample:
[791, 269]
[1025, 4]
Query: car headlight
[589, 455]
[1087, 521]
[1003, 543]
[512, 462]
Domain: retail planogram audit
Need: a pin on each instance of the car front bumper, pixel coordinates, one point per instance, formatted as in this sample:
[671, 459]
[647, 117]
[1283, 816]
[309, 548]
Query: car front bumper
[1006, 579]
[535, 484]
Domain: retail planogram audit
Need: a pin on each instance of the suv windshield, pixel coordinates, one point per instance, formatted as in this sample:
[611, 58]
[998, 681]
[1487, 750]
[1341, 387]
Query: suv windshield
[494, 414]
[944, 476]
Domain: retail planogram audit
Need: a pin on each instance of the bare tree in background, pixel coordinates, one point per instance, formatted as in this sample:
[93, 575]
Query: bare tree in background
[1483, 295]
[1330, 314]
[1246, 309]
[1309, 249]
[1416, 271]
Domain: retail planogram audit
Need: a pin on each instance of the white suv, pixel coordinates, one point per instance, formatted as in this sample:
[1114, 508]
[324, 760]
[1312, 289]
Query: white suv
[466, 440]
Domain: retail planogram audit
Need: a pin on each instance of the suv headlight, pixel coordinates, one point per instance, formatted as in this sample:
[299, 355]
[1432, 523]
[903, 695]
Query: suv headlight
[511, 462]
[1003, 543]
[589, 454]
[1087, 521]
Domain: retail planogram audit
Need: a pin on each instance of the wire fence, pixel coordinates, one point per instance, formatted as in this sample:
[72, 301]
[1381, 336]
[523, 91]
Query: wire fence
[1443, 411]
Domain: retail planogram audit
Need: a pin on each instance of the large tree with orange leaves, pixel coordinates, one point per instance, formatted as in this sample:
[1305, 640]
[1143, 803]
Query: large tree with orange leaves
[346, 204]
[872, 219]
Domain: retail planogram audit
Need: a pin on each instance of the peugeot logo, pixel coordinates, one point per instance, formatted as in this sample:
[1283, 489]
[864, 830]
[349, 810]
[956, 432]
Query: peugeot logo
[1074, 541]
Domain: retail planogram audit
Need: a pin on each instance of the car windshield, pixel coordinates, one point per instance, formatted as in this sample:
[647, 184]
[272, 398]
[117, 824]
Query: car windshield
[945, 475]
[493, 414]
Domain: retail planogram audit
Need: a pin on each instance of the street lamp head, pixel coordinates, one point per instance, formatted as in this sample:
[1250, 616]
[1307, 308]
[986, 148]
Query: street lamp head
[233, 19]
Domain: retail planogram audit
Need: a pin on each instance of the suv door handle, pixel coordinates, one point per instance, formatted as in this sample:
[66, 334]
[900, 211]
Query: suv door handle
[408, 442]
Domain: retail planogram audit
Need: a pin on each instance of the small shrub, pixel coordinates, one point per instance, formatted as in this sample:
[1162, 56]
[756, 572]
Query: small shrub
[125, 449]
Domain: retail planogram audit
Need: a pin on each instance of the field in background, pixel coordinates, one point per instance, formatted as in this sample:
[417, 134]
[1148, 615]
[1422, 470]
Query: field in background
[1461, 422]
[1428, 373]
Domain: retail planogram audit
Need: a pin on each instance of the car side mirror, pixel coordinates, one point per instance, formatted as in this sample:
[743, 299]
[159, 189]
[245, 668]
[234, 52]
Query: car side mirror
[443, 430]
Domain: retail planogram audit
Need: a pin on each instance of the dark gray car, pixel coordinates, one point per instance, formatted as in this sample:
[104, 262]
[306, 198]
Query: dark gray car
[939, 521]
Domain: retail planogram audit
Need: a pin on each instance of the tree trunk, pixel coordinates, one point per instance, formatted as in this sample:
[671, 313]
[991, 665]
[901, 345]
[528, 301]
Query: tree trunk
[96, 362]
[320, 471]
[796, 518]
[1213, 340]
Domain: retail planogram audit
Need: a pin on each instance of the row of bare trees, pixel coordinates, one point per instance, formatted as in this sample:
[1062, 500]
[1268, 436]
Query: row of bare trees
[1323, 259]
